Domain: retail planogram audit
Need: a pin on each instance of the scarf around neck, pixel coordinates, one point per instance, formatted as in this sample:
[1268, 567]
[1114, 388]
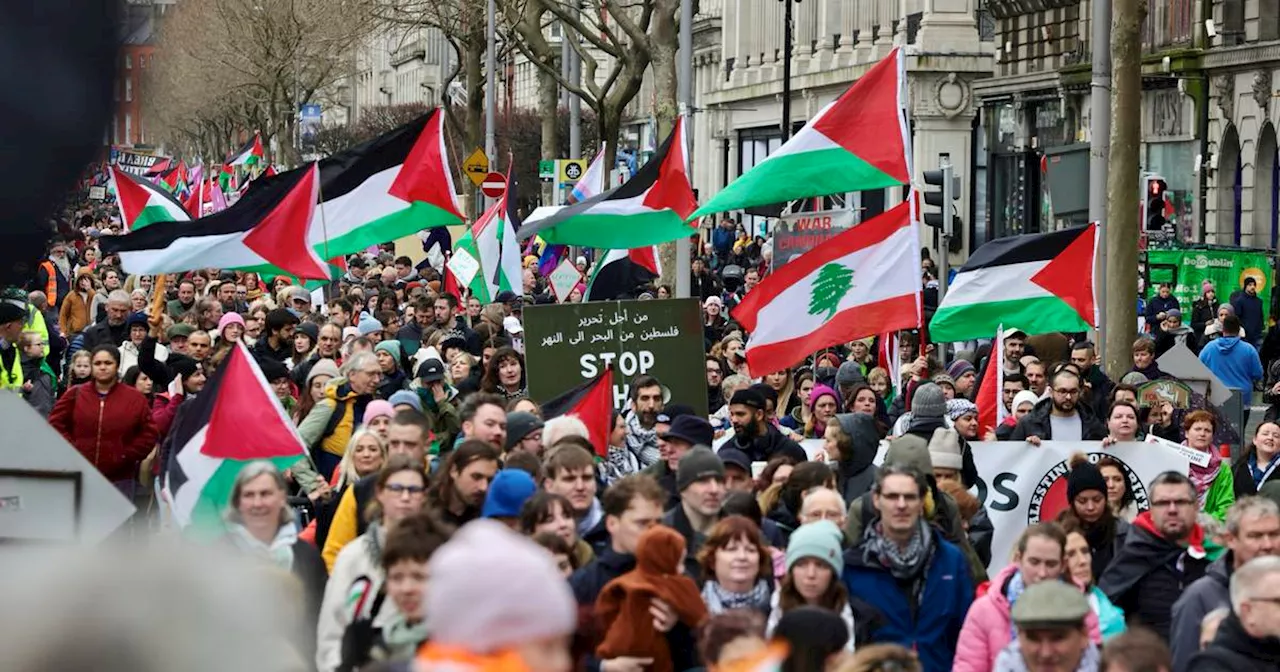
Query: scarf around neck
[1011, 593]
[1203, 477]
[720, 600]
[279, 551]
[902, 563]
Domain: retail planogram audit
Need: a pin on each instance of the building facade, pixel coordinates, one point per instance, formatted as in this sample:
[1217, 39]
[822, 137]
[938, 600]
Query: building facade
[395, 67]
[137, 54]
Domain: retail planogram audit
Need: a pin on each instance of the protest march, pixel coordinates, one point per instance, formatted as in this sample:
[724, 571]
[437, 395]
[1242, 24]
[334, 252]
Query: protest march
[443, 442]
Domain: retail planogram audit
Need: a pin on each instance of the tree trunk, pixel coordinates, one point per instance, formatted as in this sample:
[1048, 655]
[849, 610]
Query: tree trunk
[548, 105]
[663, 49]
[474, 69]
[609, 124]
[1122, 183]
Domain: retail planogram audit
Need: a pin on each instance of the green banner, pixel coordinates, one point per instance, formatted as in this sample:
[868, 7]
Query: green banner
[570, 343]
[1226, 269]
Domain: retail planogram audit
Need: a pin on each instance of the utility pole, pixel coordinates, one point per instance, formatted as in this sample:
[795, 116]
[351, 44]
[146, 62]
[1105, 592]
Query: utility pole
[490, 90]
[684, 91]
[1122, 183]
[1100, 146]
[575, 103]
[788, 36]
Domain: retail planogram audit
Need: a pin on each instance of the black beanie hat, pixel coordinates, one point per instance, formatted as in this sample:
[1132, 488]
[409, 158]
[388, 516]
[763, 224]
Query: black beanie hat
[1084, 476]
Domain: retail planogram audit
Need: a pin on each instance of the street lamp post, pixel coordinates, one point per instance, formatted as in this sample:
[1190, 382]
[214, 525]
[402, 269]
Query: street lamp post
[788, 35]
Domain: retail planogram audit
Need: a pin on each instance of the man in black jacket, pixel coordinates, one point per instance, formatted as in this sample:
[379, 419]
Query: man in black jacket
[1249, 638]
[1162, 555]
[1061, 417]
[277, 344]
[753, 435]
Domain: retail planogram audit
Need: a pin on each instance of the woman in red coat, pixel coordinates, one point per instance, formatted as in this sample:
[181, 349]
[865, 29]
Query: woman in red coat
[107, 421]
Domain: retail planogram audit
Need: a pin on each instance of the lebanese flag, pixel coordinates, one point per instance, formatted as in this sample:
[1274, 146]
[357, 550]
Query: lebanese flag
[592, 403]
[619, 272]
[143, 203]
[990, 400]
[251, 154]
[856, 143]
[649, 209]
[210, 446]
[268, 228]
[862, 282]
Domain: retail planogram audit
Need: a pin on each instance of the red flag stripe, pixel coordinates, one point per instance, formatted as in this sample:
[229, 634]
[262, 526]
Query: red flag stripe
[894, 313]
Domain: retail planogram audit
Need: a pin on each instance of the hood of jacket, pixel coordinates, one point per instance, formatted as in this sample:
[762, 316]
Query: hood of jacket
[1224, 344]
[339, 389]
[1233, 637]
[861, 428]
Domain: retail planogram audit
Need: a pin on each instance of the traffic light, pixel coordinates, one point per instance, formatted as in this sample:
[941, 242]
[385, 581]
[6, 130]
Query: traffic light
[1157, 202]
[948, 190]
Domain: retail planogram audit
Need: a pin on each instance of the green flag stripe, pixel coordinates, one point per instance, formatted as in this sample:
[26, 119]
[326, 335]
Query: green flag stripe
[207, 517]
[150, 215]
[788, 177]
[980, 320]
[618, 231]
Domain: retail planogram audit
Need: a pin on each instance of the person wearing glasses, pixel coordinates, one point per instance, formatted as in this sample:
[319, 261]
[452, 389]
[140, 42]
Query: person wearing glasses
[1061, 417]
[1247, 638]
[328, 427]
[399, 492]
[1162, 555]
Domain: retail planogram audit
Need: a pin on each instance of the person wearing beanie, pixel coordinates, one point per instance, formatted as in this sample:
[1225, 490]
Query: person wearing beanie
[851, 441]
[1204, 309]
[377, 417]
[963, 415]
[508, 492]
[847, 376]
[230, 327]
[700, 481]
[946, 452]
[394, 377]
[321, 373]
[824, 401]
[754, 435]
[965, 377]
[914, 429]
[525, 625]
[405, 399]
[369, 328]
[1038, 558]
[814, 564]
[625, 606]
[1087, 501]
[524, 433]
[814, 637]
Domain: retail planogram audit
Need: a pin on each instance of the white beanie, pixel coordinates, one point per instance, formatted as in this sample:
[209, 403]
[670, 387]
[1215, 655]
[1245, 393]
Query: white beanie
[492, 589]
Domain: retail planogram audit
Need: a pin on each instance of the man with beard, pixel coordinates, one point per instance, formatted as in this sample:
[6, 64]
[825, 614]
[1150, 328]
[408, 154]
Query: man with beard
[700, 479]
[186, 300]
[1098, 385]
[410, 335]
[208, 314]
[278, 344]
[53, 275]
[754, 435]
[642, 438]
[1162, 555]
[226, 295]
[483, 416]
[444, 313]
[460, 488]
[1253, 531]
[715, 376]
[112, 331]
[1060, 417]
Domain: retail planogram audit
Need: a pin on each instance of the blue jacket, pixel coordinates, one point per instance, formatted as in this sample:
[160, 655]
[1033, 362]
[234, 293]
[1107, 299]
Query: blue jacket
[931, 627]
[1235, 362]
[1157, 305]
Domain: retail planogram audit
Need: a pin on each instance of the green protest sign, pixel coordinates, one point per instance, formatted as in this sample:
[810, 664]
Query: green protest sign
[570, 343]
[1186, 270]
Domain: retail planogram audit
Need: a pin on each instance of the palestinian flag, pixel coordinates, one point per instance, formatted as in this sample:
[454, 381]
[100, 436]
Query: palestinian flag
[384, 189]
[211, 446]
[858, 142]
[990, 399]
[266, 229]
[250, 154]
[1043, 282]
[620, 272]
[648, 209]
[227, 178]
[592, 403]
[491, 243]
[142, 202]
[862, 282]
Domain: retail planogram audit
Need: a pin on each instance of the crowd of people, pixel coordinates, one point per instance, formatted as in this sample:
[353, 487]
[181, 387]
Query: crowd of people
[439, 519]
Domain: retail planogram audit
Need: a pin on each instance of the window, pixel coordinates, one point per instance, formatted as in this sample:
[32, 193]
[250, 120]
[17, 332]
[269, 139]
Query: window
[128, 127]
[128, 90]
[142, 61]
[115, 130]
[128, 61]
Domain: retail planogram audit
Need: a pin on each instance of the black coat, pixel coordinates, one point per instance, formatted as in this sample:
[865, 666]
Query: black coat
[770, 445]
[677, 520]
[1144, 580]
[588, 581]
[1235, 650]
[1036, 423]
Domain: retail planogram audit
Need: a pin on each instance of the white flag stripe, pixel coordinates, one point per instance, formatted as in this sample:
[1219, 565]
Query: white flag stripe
[882, 271]
[1010, 282]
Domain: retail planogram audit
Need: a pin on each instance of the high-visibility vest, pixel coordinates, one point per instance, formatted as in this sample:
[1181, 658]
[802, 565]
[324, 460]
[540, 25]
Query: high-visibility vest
[50, 287]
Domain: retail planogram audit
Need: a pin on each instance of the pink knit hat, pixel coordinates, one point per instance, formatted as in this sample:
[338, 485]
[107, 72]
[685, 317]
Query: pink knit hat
[465, 610]
[377, 407]
[1206, 286]
[230, 318]
[818, 391]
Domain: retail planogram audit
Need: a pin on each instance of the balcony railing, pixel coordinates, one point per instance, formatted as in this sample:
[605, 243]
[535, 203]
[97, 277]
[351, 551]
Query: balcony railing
[1169, 24]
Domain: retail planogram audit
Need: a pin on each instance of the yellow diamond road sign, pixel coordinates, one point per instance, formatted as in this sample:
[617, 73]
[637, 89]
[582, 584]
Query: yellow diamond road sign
[476, 166]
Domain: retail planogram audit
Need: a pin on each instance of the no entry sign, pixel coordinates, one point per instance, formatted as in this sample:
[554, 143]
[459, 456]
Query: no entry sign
[494, 184]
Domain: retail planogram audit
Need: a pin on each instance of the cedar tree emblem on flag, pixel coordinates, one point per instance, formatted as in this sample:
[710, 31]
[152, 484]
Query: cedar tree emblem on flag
[833, 282]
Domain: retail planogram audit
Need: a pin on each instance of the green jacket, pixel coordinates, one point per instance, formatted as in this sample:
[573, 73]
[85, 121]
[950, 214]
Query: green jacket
[445, 421]
[1221, 495]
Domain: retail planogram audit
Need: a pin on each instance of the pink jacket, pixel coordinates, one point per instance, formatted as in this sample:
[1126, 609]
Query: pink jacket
[987, 627]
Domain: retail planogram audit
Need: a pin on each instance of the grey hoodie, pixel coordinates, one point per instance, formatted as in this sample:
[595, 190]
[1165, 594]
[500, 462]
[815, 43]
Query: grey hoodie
[855, 473]
[1201, 597]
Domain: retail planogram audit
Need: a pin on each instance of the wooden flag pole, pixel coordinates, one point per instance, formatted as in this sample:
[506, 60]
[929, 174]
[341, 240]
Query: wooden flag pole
[156, 313]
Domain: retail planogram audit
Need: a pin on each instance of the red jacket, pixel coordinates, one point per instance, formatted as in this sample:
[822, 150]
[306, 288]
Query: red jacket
[113, 432]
